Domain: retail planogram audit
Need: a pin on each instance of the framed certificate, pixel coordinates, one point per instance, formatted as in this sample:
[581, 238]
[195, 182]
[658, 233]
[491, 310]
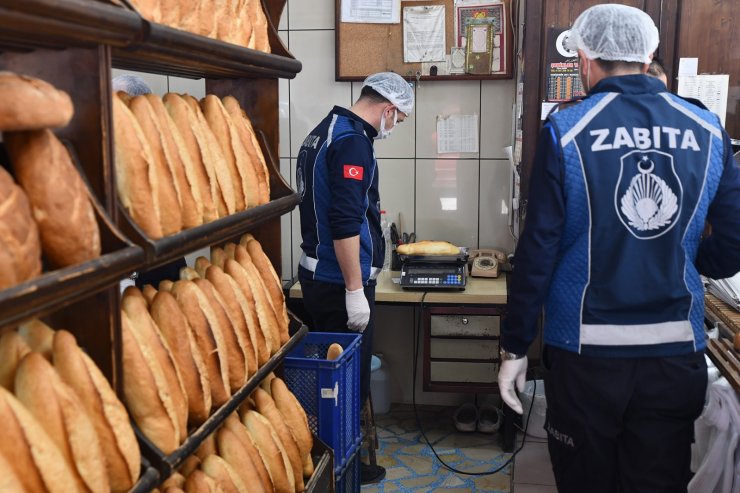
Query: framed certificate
[479, 49]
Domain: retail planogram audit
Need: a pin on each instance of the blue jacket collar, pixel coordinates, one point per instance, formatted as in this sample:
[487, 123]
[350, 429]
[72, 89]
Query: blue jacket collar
[629, 84]
[369, 129]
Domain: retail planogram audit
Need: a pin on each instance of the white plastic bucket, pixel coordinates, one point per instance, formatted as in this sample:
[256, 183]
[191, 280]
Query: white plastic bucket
[536, 427]
[380, 385]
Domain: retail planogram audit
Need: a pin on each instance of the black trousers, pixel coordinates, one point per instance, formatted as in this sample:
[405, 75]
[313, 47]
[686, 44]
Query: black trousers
[324, 302]
[622, 424]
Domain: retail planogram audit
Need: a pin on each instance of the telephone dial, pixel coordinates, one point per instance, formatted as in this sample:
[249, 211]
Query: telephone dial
[486, 262]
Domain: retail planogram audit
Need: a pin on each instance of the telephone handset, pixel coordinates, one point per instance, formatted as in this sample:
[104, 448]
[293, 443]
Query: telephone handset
[486, 262]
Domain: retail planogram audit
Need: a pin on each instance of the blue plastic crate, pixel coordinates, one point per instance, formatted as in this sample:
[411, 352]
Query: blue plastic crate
[347, 478]
[329, 391]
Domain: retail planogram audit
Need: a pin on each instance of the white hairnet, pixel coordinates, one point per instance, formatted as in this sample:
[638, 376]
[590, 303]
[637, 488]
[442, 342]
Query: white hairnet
[393, 88]
[614, 32]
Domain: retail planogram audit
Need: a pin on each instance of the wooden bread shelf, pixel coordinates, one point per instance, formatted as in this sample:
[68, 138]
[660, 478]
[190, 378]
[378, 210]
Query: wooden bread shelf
[727, 360]
[167, 464]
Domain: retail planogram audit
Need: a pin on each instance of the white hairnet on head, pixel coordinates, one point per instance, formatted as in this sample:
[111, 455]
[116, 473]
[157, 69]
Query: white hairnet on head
[393, 88]
[614, 32]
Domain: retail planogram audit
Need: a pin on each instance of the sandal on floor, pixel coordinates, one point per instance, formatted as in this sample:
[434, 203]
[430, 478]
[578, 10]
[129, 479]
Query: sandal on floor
[465, 417]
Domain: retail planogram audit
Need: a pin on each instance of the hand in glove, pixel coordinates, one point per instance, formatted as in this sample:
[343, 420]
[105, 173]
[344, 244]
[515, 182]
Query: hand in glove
[358, 310]
[512, 371]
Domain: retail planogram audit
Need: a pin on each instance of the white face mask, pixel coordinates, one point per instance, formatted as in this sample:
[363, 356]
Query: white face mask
[383, 133]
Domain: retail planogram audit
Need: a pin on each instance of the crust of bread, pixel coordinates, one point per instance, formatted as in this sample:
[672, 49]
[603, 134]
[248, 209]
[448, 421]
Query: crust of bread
[295, 416]
[32, 104]
[12, 349]
[232, 450]
[263, 302]
[261, 335]
[272, 284]
[272, 450]
[427, 247]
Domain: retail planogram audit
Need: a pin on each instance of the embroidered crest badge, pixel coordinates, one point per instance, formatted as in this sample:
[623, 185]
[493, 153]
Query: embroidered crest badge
[648, 194]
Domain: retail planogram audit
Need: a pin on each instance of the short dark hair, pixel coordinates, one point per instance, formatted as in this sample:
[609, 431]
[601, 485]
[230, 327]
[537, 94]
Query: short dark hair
[611, 66]
[371, 95]
[656, 67]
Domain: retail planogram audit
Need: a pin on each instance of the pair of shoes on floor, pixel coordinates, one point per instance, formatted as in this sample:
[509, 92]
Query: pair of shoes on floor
[486, 419]
[371, 473]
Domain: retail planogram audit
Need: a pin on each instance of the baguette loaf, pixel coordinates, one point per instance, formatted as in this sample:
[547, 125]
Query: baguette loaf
[256, 176]
[259, 24]
[257, 149]
[20, 247]
[249, 449]
[272, 284]
[32, 104]
[257, 340]
[180, 165]
[12, 349]
[218, 256]
[178, 334]
[295, 416]
[201, 265]
[32, 455]
[258, 325]
[267, 408]
[272, 452]
[199, 482]
[136, 177]
[225, 288]
[334, 351]
[427, 247]
[54, 405]
[9, 480]
[170, 210]
[201, 174]
[234, 453]
[149, 9]
[225, 476]
[208, 337]
[149, 293]
[59, 198]
[233, 350]
[108, 415]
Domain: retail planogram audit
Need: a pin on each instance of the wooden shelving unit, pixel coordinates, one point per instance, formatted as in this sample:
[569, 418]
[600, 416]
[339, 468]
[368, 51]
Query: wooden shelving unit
[73, 45]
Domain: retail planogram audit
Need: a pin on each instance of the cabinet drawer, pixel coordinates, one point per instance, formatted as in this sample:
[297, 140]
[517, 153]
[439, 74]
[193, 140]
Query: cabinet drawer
[463, 348]
[465, 325]
[442, 371]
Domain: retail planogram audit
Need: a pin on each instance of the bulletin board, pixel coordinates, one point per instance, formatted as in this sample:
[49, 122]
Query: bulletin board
[364, 49]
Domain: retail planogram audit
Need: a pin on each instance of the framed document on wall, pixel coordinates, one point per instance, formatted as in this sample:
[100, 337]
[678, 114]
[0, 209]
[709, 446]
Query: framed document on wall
[498, 17]
[478, 49]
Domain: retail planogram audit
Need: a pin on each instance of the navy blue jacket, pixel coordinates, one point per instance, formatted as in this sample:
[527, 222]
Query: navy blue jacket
[621, 187]
[337, 176]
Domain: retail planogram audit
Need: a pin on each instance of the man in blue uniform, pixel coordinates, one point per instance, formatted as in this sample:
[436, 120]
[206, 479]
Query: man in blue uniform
[621, 186]
[343, 246]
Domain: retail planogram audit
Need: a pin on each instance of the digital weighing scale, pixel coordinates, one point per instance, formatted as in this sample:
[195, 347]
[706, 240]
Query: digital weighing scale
[435, 271]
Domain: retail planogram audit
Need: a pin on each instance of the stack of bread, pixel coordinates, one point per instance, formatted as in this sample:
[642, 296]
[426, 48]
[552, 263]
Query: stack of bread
[264, 448]
[50, 211]
[190, 344]
[180, 164]
[240, 22]
[64, 429]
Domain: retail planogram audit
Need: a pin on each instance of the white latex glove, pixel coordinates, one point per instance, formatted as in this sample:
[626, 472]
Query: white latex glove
[512, 371]
[358, 309]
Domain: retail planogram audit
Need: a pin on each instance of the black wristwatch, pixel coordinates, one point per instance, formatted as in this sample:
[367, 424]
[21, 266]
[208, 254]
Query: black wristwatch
[506, 355]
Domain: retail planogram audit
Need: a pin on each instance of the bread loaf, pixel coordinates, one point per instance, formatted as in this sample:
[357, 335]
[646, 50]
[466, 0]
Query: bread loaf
[334, 351]
[251, 145]
[232, 450]
[136, 176]
[176, 480]
[20, 248]
[59, 198]
[149, 293]
[147, 391]
[166, 285]
[218, 257]
[225, 198]
[171, 12]
[178, 334]
[32, 104]
[208, 337]
[263, 302]
[170, 210]
[189, 274]
[225, 476]
[12, 349]
[225, 287]
[36, 461]
[260, 331]
[9, 480]
[54, 405]
[199, 482]
[180, 165]
[149, 9]
[260, 475]
[233, 350]
[295, 416]
[201, 264]
[272, 451]
[267, 408]
[428, 248]
[272, 284]
[201, 174]
[147, 332]
[193, 462]
[207, 447]
[76, 369]
[259, 24]
[257, 345]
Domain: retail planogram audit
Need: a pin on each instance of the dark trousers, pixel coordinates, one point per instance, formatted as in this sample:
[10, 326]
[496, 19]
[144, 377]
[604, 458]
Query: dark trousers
[324, 303]
[622, 424]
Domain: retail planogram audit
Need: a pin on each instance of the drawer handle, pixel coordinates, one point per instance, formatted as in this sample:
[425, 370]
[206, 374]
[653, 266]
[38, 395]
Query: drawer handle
[465, 321]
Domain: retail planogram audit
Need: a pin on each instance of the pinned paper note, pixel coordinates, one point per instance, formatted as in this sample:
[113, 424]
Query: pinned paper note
[371, 11]
[546, 109]
[709, 89]
[457, 134]
[688, 66]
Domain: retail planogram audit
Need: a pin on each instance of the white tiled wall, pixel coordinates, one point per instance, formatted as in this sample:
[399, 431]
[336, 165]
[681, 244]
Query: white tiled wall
[459, 198]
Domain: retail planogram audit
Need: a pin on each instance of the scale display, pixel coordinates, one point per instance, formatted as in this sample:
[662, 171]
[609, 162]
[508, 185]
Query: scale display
[433, 276]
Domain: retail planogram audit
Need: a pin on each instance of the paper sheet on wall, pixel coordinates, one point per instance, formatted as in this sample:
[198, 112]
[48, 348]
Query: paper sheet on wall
[457, 133]
[424, 34]
[371, 11]
[709, 89]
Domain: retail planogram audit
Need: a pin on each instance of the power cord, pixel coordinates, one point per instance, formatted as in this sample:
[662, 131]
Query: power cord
[417, 333]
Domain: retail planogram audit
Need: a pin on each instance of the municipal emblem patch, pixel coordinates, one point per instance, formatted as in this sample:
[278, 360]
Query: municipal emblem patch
[648, 194]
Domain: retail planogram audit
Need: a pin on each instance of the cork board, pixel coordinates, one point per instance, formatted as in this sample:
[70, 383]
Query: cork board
[363, 49]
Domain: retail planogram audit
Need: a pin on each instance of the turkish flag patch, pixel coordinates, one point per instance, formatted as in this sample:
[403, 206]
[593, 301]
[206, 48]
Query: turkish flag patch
[353, 172]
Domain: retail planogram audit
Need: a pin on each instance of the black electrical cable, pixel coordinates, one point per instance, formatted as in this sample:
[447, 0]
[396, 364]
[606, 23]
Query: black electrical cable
[416, 333]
